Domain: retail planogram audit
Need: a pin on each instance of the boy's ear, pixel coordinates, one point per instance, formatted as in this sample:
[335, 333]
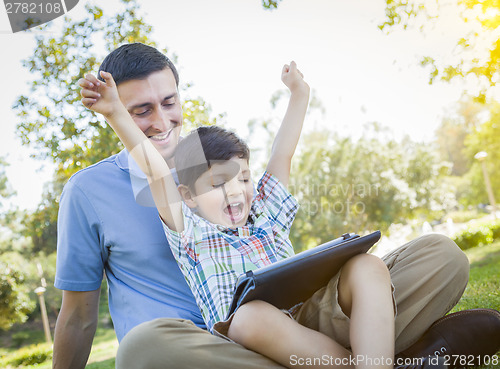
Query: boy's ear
[187, 196]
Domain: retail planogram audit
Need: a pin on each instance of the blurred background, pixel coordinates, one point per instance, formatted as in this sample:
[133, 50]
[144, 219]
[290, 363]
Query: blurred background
[402, 133]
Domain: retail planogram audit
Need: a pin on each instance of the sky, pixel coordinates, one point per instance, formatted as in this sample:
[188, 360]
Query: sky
[232, 53]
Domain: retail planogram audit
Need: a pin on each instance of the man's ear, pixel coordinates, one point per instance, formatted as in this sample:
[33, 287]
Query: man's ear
[187, 195]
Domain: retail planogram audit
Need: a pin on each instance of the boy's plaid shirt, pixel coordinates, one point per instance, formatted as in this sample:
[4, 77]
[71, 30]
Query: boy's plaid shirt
[212, 257]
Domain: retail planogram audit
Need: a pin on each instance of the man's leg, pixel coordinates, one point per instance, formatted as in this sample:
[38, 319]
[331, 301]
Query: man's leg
[177, 344]
[429, 275]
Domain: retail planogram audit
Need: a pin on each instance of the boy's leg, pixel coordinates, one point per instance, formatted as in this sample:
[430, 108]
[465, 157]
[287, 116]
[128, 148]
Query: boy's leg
[365, 295]
[429, 275]
[177, 344]
[263, 328]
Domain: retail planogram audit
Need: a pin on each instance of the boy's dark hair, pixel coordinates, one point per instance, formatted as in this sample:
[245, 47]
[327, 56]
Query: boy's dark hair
[217, 144]
[135, 61]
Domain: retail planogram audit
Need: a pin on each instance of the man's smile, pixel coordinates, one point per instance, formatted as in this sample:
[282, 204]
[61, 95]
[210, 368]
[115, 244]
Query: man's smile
[161, 136]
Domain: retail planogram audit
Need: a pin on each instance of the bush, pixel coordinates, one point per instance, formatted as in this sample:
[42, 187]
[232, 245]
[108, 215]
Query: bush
[473, 237]
[463, 216]
[478, 234]
[15, 304]
[30, 355]
[495, 228]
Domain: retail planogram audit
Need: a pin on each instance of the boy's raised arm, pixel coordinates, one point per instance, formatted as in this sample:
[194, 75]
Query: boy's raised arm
[102, 97]
[288, 134]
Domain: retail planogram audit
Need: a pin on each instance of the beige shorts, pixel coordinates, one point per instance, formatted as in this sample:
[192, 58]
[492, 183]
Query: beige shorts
[321, 313]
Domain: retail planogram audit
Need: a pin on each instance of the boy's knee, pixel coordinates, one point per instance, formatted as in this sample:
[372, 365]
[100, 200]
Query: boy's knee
[365, 265]
[247, 321]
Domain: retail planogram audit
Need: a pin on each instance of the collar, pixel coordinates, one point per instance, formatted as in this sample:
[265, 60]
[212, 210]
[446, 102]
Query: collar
[138, 179]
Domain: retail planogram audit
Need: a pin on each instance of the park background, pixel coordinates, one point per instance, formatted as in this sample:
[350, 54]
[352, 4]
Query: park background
[403, 99]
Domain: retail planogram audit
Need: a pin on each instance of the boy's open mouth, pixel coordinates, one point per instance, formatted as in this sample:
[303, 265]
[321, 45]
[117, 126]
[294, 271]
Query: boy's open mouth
[234, 211]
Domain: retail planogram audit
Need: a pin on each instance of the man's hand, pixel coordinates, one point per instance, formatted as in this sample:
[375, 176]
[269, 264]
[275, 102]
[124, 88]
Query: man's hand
[101, 97]
[294, 79]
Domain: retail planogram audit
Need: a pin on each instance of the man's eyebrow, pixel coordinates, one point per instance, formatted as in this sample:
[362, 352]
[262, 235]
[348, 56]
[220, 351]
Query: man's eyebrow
[143, 105]
[175, 94]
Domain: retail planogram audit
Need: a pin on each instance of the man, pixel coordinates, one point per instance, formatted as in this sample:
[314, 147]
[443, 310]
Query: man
[106, 226]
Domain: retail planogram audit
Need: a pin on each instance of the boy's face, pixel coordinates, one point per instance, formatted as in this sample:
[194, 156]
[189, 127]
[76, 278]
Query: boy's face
[222, 197]
[154, 105]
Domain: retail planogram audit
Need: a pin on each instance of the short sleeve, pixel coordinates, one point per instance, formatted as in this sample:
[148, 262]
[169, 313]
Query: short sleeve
[274, 199]
[80, 259]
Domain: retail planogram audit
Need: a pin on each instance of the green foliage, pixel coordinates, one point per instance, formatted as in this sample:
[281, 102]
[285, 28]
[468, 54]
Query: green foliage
[345, 185]
[463, 216]
[52, 120]
[270, 4]
[473, 237]
[5, 189]
[30, 355]
[485, 137]
[15, 304]
[41, 224]
[482, 290]
[478, 234]
[478, 47]
[452, 133]
[32, 279]
[495, 229]
[196, 112]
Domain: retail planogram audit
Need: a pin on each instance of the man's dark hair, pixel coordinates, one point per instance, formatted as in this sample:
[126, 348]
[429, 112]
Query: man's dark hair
[217, 144]
[135, 61]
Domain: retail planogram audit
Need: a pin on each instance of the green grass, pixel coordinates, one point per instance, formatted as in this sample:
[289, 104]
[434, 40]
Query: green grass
[483, 291]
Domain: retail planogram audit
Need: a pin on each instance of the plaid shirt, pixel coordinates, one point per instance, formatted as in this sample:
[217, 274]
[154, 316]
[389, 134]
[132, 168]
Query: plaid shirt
[212, 257]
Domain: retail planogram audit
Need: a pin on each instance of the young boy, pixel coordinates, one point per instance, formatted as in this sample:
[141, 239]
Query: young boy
[231, 233]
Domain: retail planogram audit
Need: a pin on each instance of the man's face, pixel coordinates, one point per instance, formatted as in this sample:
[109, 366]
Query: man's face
[154, 105]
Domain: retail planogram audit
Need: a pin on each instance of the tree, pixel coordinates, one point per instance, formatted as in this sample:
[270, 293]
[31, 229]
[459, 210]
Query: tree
[5, 189]
[52, 120]
[478, 48]
[453, 131]
[270, 4]
[346, 185]
[485, 137]
[15, 304]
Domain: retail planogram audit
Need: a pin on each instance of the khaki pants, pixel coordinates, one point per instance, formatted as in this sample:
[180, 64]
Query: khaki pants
[429, 275]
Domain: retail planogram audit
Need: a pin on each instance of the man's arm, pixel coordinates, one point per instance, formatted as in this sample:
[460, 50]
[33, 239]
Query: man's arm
[75, 329]
[289, 132]
[102, 97]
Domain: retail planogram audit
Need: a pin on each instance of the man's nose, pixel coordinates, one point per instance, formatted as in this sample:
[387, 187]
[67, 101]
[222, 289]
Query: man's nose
[161, 120]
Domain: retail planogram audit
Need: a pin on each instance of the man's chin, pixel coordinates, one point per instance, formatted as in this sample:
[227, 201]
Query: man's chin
[166, 152]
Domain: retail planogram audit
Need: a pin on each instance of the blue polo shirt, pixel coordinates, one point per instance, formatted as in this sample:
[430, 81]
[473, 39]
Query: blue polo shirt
[108, 224]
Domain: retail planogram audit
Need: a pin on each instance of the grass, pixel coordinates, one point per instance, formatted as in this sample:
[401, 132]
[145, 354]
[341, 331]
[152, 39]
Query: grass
[483, 291]
[102, 355]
